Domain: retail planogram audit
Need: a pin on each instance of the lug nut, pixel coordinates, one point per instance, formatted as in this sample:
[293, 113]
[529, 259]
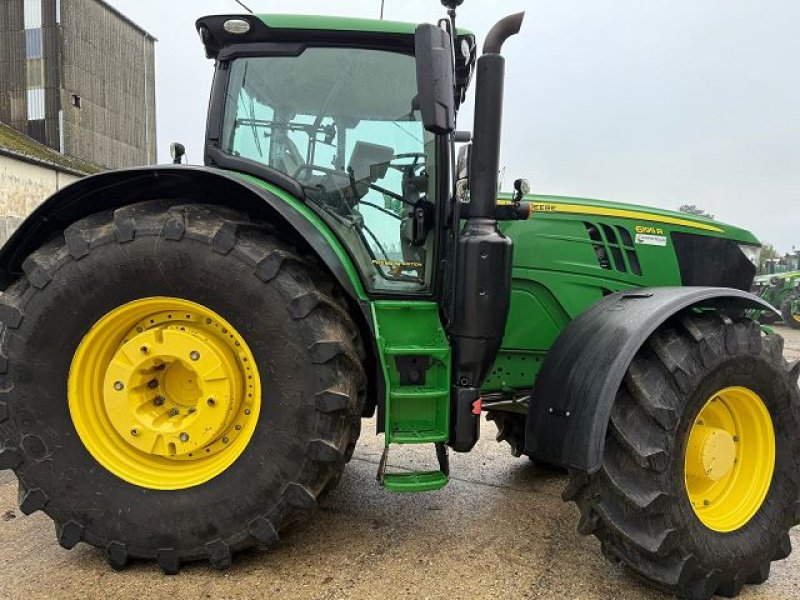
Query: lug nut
[174, 412]
[143, 349]
[247, 411]
[184, 437]
[159, 400]
[191, 411]
[119, 386]
[706, 502]
[134, 432]
[238, 428]
[211, 402]
[194, 355]
[225, 440]
[152, 384]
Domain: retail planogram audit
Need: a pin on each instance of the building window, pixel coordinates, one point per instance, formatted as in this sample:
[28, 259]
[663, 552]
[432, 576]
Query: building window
[34, 52]
[36, 109]
[33, 43]
[33, 14]
[35, 73]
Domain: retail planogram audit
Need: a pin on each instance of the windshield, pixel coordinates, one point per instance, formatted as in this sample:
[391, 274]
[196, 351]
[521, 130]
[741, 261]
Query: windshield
[343, 123]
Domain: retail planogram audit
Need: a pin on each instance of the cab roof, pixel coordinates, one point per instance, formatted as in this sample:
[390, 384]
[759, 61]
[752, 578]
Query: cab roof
[318, 22]
[308, 29]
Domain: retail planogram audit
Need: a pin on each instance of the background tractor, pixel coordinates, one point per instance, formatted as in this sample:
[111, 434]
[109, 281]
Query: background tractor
[783, 292]
[186, 352]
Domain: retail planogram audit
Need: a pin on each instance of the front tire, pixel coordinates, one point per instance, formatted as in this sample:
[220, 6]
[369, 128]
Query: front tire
[223, 272]
[644, 505]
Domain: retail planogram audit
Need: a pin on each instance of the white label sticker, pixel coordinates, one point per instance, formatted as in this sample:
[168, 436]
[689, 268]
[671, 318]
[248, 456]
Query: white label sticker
[651, 240]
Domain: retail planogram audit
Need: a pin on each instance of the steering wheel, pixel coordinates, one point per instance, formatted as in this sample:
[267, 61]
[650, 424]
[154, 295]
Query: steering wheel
[416, 164]
[346, 177]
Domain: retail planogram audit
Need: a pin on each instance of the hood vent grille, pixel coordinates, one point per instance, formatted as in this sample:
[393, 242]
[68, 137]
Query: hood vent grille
[614, 248]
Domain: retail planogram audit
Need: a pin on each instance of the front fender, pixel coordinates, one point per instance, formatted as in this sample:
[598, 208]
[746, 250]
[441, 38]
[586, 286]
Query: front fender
[187, 184]
[576, 388]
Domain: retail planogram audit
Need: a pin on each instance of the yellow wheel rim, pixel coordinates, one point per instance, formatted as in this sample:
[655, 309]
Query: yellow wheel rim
[164, 393]
[730, 459]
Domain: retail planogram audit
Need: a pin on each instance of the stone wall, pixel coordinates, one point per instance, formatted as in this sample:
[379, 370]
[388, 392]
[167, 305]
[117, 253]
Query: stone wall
[23, 186]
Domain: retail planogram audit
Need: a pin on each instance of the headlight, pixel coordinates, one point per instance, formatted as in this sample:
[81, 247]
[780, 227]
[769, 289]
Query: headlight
[753, 253]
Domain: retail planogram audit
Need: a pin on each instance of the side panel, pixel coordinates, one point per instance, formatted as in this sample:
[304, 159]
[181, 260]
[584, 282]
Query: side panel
[579, 379]
[572, 252]
[564, 263]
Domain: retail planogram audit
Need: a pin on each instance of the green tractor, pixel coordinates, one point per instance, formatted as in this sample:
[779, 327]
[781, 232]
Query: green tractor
[186, 352]
[782, 291]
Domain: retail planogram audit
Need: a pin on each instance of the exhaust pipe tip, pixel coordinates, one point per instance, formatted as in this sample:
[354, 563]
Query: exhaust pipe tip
[501, 31]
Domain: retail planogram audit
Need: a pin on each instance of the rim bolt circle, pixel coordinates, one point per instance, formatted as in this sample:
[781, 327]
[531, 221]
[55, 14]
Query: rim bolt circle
[184, 437]
[194, 355]
[119, 386]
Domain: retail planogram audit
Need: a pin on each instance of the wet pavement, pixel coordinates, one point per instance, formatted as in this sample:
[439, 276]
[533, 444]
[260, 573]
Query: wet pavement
[498, 530]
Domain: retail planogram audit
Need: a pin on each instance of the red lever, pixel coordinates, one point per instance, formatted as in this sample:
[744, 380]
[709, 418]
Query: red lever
[477, 406]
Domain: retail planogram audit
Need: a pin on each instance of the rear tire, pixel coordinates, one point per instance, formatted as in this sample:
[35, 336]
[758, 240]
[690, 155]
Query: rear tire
[638, 505]
[287, 311]
[790, 318]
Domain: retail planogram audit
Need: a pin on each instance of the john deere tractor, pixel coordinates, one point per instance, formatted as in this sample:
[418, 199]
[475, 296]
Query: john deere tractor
[186, 352]
[783, 292]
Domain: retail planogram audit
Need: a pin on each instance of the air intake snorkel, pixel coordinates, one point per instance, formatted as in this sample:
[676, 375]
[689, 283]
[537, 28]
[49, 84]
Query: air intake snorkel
[484, 254]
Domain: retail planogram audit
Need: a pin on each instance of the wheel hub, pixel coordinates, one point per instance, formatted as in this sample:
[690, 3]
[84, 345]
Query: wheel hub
[168, 376]
[711, 453]
[164, 393]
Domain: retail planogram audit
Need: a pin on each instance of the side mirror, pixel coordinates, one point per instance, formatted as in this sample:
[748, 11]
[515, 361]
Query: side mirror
[435, 79]
[522, 187]
[177, 151]
[462, 172]
[462, 166]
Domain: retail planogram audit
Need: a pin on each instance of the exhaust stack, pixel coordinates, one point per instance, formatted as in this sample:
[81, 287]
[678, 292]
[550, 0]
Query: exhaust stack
[484, 254]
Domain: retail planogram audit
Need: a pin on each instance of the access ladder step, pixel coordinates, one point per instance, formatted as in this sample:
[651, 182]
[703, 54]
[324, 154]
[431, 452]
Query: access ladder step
[427, 481]
[416, 481]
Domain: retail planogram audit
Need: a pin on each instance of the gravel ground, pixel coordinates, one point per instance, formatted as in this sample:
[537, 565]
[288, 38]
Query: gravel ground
[498, 530]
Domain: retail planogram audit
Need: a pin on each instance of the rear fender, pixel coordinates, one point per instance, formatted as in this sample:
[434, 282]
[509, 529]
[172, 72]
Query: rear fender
[188, 184]
[576, 388]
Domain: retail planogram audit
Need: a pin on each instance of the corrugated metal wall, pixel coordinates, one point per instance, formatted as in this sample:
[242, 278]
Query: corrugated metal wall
[110, 66]
[97, 78]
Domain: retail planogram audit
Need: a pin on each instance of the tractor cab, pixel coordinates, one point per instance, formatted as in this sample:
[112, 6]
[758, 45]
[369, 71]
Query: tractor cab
[336, 120]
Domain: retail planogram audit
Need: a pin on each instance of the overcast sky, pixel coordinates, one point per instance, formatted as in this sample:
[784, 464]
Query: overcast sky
[663, 103]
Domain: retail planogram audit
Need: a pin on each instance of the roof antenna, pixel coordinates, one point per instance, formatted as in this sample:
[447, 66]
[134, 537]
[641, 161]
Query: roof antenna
[383, 2]
[243, 6]
[451, 6]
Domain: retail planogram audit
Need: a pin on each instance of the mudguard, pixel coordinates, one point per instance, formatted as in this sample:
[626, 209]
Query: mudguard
[188, 184]
[575, 390]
